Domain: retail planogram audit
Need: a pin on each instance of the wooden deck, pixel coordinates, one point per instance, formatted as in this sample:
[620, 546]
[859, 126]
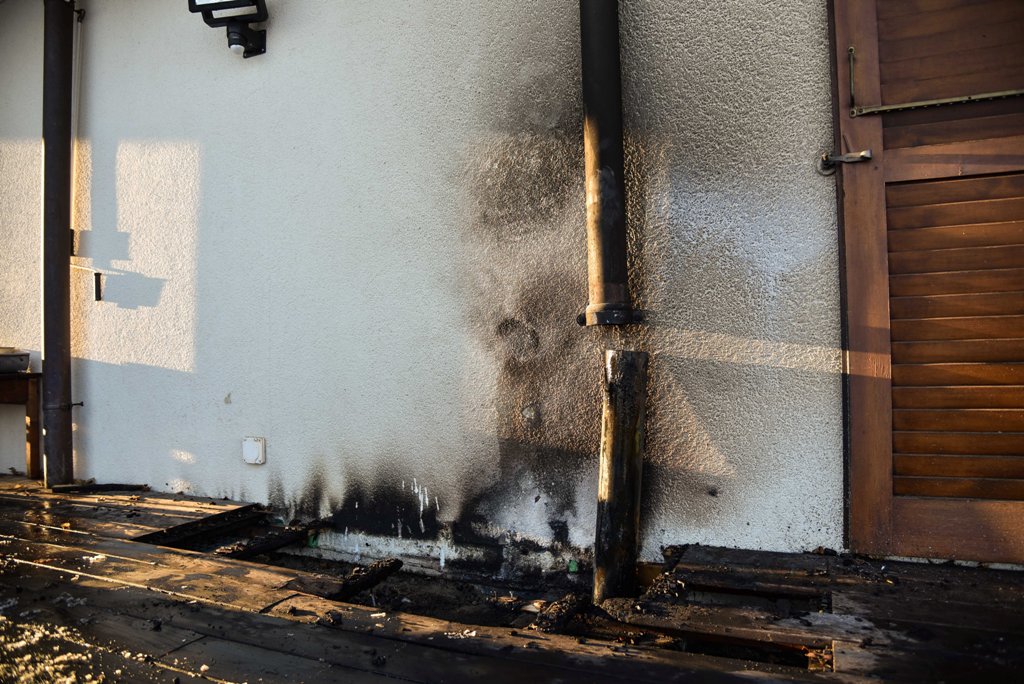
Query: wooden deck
[71, 577]
[80, 594]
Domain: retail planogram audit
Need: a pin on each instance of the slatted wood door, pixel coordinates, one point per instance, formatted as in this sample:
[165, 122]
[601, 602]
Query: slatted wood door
[933, 254]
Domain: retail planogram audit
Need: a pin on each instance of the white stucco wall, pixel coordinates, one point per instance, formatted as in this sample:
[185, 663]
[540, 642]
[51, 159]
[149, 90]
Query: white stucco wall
[367, 246]
[21, 93]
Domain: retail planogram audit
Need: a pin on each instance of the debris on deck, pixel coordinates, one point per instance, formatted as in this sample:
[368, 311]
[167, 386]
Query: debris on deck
[556, 616]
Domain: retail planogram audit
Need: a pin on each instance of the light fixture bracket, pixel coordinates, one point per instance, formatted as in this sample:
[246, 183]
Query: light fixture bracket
[236, 16]
[253, 41]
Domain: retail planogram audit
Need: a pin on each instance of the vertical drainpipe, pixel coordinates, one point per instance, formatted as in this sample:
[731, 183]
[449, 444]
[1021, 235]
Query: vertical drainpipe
[58, 50]
[625, 383]
[607, 268]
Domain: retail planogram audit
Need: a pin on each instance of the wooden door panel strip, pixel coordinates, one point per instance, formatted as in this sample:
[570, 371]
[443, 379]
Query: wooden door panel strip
[959, 420]
[966, 259]
[958, 351]
[949, 487]
[949, 374]
[968, 328]
[980, 443]
[862, 207]
[957, 282]
[969, 212]
[959, 130]
[929, 21]
[944, 306]
[956, 64]
[938, 465]
[955, 159]
[964, 396]
[953, 237]
[957, 189]
[889, 9]
[929, 527]
[959, 39]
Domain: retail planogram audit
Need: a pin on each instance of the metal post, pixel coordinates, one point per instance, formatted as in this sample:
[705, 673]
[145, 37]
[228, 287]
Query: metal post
[58, 52]
[607, 268]
[619, 479]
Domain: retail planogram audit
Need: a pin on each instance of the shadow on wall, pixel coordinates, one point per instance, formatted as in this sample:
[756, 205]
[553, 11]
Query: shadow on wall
[120, 287]
[113, 415]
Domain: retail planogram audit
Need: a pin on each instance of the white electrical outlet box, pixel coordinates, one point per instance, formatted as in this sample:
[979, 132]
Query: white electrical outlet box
[254, 450]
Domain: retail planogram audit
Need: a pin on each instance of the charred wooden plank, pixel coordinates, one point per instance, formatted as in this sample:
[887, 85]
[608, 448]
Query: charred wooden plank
[360, 579]
[192, 533]
[619, 475]
[272, 541]
[731, 632]
[92, 487]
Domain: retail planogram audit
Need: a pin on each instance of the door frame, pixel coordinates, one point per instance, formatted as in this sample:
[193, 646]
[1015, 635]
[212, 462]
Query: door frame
[864, 299]
[877, 522]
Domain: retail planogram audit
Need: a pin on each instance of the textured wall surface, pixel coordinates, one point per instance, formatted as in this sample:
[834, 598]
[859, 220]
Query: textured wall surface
[368, 246]
[21, 96]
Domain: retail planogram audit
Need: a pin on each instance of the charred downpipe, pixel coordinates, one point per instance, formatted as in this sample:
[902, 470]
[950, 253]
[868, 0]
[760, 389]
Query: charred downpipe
[620, 474]
[58, 51]
[607, 268]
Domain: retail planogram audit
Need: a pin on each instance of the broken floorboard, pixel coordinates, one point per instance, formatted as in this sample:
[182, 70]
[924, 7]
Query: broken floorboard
[123, 603]
[856, 616]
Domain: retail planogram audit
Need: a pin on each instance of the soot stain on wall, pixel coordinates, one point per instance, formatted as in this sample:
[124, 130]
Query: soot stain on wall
[523, 251]
[310, 505]
[275, 493]
[525, 270]
[387, 509]
[380, 504]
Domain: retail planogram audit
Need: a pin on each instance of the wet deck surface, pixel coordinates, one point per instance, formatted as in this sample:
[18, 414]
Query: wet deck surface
[79, 595]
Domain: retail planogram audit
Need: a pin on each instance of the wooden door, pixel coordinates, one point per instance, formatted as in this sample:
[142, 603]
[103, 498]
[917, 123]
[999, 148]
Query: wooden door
[933, 257]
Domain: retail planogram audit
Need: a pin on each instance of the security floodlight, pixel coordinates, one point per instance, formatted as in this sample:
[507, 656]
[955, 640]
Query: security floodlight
[236, 15]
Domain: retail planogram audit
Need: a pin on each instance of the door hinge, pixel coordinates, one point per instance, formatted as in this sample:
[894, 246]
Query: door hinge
[827, 161]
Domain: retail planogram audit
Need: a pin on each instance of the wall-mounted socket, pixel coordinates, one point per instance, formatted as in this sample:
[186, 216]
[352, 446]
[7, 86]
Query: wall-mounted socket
[254, 450]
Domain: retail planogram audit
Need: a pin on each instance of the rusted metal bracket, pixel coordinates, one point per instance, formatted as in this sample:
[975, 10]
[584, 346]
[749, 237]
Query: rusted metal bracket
[63, 407]
[852, 52]
[856, 111]
[920, 104]
[828, 160]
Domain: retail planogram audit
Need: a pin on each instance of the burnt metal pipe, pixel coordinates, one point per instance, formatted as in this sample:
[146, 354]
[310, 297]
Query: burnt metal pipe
[620, 474]
[58, 60]
[607, 268]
